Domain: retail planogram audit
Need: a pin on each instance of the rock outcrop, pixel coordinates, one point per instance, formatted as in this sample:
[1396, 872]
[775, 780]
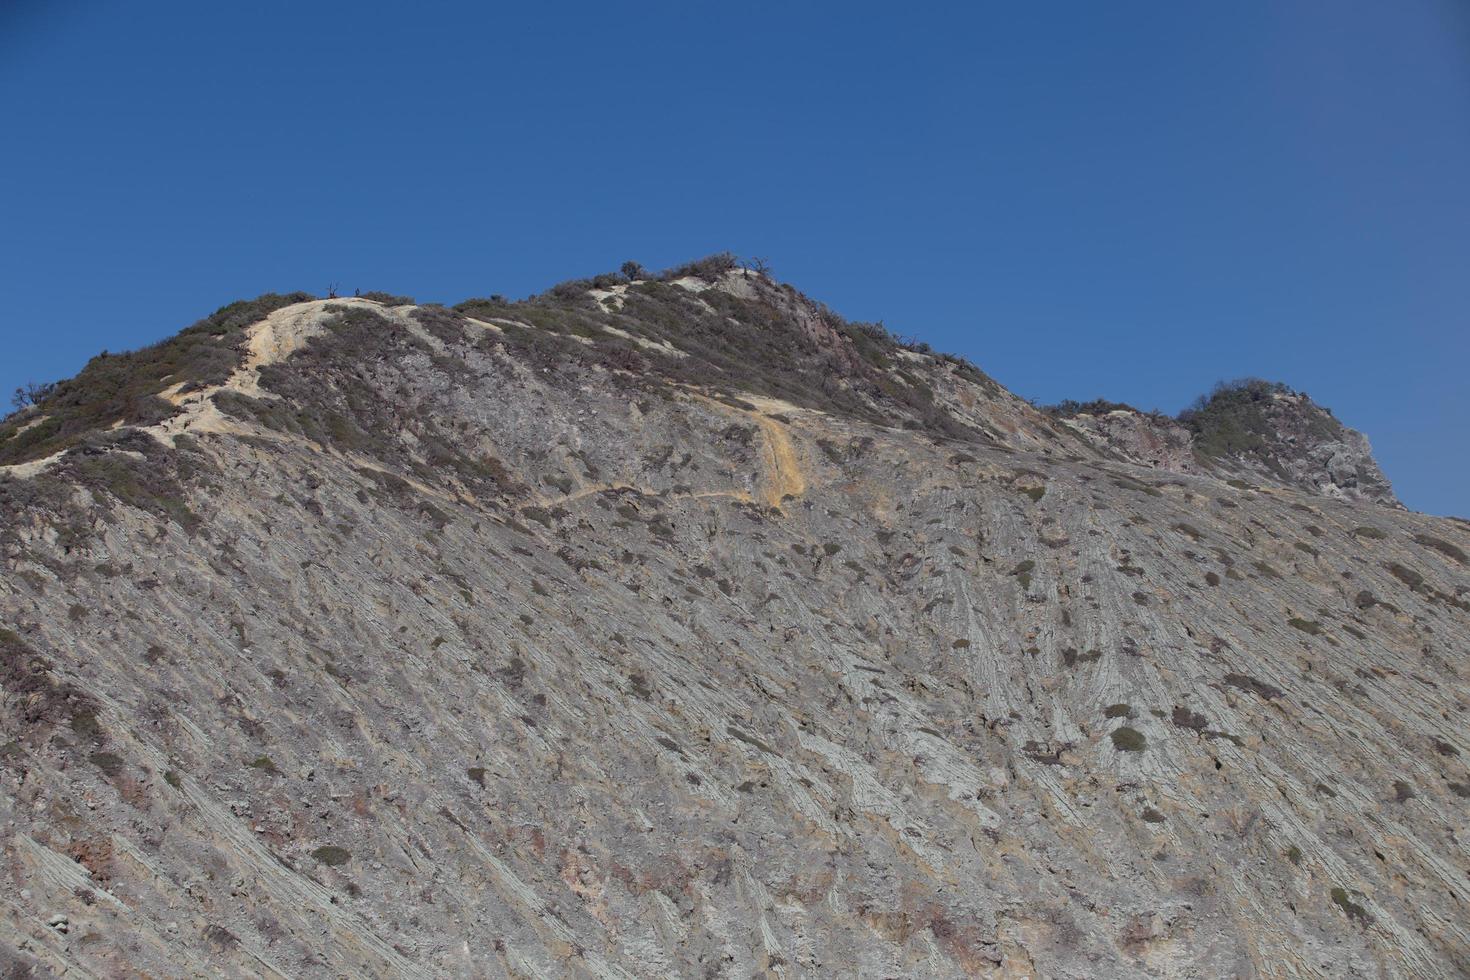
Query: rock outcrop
[1249, 430]
[1144, 439]
[679, 628]
[1267, 432]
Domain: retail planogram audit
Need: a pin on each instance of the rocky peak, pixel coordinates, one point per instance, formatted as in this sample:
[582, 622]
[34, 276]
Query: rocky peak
[1251, 430]
[1266, 431]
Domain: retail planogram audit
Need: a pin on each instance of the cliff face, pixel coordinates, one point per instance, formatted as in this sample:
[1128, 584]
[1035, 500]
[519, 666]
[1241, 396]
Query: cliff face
[682, 629]
[1151, 440]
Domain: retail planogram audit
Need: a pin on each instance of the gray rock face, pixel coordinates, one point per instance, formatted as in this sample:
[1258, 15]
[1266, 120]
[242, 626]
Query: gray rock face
[499, 643]
[1155, 441]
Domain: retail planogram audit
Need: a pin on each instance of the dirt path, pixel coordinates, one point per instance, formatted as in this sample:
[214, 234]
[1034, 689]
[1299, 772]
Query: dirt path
[784, 477]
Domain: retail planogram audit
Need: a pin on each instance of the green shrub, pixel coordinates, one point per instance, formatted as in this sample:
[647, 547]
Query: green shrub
[1070, 408]
[85, 724]
[1071, 658]
[387, 299]
[331, 855]
[1119, 710]
[1138, 486]
[1305, 625]
[1369, 532]
[1192, 720]
[709, 268]
[1023, 573]
[1353, 910]
[1442, 546]
[31, 393]
[1127, 739]
[538, 514]
[1245, 682]
[1408, 576]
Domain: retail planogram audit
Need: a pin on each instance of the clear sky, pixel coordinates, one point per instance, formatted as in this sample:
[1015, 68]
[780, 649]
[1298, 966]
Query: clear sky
[1119, 199]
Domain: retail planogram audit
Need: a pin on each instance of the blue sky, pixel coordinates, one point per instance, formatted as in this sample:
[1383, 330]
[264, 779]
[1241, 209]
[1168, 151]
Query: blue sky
[1129, 200]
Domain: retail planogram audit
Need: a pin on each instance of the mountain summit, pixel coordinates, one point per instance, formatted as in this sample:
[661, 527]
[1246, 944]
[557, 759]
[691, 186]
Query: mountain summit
[677, 626]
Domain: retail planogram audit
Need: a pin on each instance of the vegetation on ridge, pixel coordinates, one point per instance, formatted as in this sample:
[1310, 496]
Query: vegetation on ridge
[756, 337]
[1232, 420]
[125, 387]
[773, 342]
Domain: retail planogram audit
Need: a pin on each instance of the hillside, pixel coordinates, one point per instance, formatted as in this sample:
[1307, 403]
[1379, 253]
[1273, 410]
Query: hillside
[679, 627]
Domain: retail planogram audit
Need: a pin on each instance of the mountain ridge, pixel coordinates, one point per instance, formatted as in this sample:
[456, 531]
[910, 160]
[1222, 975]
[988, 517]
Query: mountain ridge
[1308, 448]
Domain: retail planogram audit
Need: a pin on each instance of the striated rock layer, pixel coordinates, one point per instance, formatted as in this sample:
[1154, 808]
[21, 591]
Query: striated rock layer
[682, 629]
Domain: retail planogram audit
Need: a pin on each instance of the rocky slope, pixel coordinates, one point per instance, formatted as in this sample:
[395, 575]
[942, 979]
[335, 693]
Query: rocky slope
[681, 628]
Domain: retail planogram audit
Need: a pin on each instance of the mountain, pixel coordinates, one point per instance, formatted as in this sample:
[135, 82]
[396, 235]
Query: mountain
[675, 626]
